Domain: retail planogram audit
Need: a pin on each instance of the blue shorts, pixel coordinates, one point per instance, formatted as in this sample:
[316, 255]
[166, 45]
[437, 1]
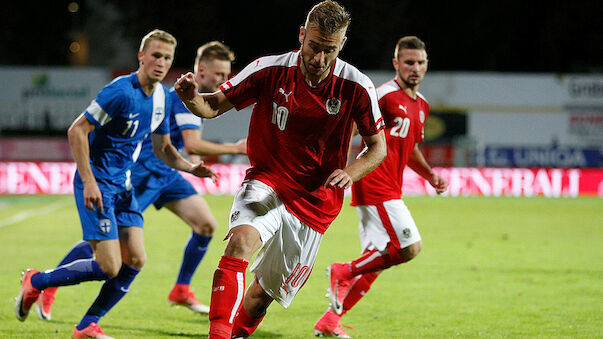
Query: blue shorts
[119, 210]
[159, 190]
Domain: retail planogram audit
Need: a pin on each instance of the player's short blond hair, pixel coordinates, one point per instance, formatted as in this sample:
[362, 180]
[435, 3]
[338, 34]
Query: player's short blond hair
[156, 34]
[329, 16]
[214, 50]
[409, 42]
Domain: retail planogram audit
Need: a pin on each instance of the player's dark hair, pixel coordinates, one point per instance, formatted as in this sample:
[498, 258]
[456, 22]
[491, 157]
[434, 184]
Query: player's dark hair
[330, 17]
[214, 50]
[409, 42]
[156, 34]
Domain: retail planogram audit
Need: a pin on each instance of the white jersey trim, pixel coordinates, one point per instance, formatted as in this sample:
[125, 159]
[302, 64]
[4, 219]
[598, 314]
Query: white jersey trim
[286, 60]
[351, 73]
[158, 107]
[386, 88]
[187, 119]
[97, 112]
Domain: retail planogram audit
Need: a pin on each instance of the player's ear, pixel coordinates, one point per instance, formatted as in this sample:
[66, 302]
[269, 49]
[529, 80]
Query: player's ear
[140, 55]
[395, 63]
[345, 38]
[302, 34]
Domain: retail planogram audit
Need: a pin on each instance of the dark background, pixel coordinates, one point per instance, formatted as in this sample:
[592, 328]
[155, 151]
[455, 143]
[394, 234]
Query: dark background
[508, 36]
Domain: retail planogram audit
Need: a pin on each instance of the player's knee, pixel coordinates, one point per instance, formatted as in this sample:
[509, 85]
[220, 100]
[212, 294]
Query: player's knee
[111, 269]
[204, 227]
[137, 261]
[243, 242]
[410, 252]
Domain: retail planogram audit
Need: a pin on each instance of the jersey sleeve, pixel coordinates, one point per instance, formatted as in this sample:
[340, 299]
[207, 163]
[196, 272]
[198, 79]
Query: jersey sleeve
[109, 103]
[164, 127]
[243, 89]
[368, 115]
[183, 118]
[421, 137]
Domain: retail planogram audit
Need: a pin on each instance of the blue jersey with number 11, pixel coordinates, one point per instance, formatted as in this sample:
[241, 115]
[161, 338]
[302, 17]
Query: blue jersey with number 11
[123, 115]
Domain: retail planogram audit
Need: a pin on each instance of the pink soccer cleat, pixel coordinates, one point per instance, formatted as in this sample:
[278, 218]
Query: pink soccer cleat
[339, 285]
[92, 331]
[44, 303]
[183, 296]
[328, 326]
[27, 295]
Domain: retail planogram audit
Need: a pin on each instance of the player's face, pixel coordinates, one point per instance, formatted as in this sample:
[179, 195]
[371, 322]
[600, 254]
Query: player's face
[156, 60]
[411, 66]
[211, 74]
[319, 51]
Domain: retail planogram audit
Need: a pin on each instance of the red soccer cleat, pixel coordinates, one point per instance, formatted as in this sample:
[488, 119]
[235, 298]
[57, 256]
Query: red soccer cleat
[339, 285]
[27, 295]
[183, 296]
[92, 331]
[328, 326]
[44, 303]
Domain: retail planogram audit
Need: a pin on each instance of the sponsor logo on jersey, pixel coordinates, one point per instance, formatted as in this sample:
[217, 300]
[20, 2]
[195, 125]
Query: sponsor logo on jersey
[333, 105]
[105, 225]
[133, 115]
[235, 216]
[282, 91]
[403, 108]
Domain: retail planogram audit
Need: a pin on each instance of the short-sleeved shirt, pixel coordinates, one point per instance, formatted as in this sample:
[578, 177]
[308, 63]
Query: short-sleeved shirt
[123, 115]
[298, 134]
[404, 120]
[180, 118]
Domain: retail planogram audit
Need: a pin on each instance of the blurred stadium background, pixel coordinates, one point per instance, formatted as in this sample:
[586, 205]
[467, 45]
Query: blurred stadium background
[516, 89]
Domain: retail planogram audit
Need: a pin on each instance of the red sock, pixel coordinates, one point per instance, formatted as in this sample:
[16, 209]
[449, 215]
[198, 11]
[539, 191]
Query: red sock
[227, 294]
[358, 290]
[373, 261]
[244, 324]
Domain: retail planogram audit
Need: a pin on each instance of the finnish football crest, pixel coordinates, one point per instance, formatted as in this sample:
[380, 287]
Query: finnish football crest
[422, 116]
[333, 105]
[158, 114]
[105, 225]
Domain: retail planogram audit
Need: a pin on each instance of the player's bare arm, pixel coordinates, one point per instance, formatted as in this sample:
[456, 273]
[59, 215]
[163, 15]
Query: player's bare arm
[164, 150]
[204, 105]
[78, 140]
[195, 145]
[375, 152]
[418, 164]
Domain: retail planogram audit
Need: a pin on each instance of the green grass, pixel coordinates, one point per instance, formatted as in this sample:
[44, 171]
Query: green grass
[490, 267]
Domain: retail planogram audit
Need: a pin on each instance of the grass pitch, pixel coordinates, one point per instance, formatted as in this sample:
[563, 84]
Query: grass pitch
[490, 267]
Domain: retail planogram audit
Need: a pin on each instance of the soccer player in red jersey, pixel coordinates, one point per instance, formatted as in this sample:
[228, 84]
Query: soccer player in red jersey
[305, 105]
[388, 234]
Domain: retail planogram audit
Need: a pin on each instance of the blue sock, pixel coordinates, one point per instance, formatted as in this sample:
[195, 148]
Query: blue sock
[112, 291]
[193, 253]
[70, 274]
[81, 250]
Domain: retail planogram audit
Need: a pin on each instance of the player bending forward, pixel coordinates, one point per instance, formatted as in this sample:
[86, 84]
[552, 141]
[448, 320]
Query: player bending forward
[388, 234]
[306, 103]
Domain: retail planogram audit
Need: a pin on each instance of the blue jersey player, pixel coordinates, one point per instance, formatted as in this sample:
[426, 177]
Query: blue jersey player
[106, 141]
[157, 184]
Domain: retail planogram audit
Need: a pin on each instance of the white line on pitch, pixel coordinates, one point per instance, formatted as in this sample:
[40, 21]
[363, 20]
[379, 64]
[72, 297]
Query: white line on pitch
[13, 219]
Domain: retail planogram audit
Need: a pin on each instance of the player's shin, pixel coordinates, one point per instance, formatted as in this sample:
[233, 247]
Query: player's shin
[358, 290]
[228, 290]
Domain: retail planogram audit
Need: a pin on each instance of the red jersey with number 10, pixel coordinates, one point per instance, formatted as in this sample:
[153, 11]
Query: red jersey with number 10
[298, 134]
[404, 120]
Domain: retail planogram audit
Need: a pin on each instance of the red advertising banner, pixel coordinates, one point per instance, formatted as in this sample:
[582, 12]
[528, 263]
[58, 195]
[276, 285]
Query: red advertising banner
[57, 178]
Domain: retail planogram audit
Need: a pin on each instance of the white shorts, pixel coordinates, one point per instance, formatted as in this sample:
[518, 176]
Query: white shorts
[289, 247]
[389, 222]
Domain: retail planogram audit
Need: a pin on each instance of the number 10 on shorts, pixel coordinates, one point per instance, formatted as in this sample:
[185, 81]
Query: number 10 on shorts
[297, 278]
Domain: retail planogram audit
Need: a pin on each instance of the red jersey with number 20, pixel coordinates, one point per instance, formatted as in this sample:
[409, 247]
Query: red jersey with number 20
[404, 120]
[298, 134]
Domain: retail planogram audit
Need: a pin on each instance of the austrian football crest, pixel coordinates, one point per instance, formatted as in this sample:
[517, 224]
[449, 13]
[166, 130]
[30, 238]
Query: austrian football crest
[333, 105]
[422, 116]
[234, 216]
[406, 233]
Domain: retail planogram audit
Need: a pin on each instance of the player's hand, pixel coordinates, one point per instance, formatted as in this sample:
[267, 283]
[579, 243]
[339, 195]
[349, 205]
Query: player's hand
[203, 171]
[241, 146]
[440, 184]
[93, 197]
[186, 87]
[339, 178]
